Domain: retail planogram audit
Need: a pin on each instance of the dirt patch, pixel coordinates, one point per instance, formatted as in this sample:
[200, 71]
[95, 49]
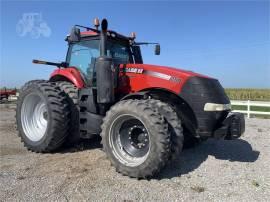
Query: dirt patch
[198, 189]
[6, 150]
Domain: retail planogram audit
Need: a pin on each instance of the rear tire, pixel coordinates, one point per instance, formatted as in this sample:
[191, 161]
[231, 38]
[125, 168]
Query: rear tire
[42, 116]
[31, 83]
[128, 125]
[72, 95]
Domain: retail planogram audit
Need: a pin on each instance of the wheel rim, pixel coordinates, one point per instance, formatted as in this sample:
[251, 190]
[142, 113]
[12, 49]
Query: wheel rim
[34, 115]
[129, 140]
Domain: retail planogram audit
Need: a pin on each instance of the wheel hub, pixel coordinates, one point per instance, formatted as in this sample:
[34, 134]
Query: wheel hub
[129, 140]
[138, 136]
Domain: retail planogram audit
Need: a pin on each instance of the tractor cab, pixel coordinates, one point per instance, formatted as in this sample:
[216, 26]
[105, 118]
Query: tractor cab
[83, 54]
[86, 46]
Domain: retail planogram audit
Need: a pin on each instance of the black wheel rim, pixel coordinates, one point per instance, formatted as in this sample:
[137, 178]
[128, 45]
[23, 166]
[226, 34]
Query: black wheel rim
[129, 140]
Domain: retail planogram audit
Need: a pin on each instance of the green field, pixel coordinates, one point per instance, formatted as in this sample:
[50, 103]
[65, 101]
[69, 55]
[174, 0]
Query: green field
[250, 94]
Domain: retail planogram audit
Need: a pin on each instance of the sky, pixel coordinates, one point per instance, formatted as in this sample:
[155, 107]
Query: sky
[227, 40]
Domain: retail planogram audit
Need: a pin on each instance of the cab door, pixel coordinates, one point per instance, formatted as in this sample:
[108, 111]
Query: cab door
[82, 55]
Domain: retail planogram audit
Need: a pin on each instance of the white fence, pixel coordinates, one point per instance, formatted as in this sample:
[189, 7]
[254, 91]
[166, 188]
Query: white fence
[249, 103]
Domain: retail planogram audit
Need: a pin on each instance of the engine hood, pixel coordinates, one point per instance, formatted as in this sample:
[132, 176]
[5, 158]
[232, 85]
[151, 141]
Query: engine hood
[172, 71]
[138, 77]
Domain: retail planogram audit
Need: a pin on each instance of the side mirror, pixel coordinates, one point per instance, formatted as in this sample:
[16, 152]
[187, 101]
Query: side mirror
[75, 35]
[157, 49]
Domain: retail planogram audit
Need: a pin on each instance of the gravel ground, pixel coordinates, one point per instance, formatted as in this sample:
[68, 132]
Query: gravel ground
[216, 170]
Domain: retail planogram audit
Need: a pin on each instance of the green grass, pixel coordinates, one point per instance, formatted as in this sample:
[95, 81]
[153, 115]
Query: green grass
[248, 94]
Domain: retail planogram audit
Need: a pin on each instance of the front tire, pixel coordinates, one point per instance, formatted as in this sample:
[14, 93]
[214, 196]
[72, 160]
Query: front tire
[135, 138]
[42, 116]
[175, 126]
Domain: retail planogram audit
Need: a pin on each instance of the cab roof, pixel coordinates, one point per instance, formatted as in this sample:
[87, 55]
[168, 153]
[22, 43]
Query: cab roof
[110, 33]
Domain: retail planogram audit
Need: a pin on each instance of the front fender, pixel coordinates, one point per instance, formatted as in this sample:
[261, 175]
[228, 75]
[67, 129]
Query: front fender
[71, 74]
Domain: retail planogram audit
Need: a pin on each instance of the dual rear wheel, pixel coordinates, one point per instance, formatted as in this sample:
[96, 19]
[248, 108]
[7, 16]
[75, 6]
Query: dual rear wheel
[42, 116]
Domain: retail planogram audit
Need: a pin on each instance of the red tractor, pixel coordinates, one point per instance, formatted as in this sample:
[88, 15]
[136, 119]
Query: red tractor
[4, 93]
[144, 113]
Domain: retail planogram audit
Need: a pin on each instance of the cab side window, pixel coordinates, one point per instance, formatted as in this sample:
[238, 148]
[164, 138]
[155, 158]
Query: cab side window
[81, 55]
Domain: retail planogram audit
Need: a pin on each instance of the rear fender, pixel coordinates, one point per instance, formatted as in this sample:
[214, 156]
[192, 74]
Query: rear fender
[71, 74]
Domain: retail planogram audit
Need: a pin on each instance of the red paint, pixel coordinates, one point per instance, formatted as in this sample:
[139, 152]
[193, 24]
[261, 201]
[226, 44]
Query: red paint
[4, 93]
[131, 82]
[71, 74]
[90, 33]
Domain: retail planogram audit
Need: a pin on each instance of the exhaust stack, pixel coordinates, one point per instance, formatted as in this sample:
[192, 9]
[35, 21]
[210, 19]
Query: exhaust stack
[103, 37]
[105, 70]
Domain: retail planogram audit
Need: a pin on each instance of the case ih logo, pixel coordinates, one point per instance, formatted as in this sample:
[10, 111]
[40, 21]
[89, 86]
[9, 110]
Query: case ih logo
[152, 73]
[133, 70]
